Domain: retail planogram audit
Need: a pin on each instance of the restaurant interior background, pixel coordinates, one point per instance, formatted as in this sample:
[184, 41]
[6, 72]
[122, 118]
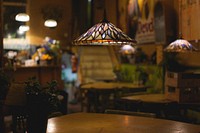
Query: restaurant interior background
[152, 23]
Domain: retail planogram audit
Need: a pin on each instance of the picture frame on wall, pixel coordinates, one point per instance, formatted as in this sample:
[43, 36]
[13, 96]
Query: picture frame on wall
[140, 20]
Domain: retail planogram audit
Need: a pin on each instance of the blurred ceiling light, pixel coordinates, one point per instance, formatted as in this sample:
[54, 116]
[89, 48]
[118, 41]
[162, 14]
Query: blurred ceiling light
[50, 23]
[127, 49]
[19, 32]
[22, 17]
[24, 28]
[52, 15]
[180, 45]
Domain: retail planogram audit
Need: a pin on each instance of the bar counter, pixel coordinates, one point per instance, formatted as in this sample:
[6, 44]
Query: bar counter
[44, 73]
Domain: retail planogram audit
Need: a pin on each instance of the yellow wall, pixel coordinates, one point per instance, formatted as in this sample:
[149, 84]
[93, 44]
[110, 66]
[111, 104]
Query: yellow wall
[38, 31]
[122, 15]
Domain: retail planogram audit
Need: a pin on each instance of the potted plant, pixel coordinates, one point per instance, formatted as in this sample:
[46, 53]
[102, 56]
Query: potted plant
[41, 101]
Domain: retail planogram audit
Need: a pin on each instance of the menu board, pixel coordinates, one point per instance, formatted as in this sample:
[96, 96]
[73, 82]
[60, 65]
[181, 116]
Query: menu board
[189, 16]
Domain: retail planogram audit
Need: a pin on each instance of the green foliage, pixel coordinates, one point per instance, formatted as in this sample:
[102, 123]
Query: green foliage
[33, 86]
[51, 91]
[45, 95]
[150, 75]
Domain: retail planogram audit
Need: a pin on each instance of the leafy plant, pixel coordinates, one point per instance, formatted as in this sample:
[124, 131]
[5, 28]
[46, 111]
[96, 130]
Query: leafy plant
[33, 86]
[42, 95]
[51, 93]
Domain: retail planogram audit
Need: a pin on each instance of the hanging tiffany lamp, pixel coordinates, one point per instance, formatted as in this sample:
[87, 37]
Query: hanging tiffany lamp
[104, 33]
[180, 45]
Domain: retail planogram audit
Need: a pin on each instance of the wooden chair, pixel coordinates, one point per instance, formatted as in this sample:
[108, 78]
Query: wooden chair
[122, 112]
[88, 99]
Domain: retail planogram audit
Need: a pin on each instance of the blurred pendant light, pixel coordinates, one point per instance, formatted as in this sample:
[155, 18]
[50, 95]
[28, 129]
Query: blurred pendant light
[22, 17]
[24, 28]
[127, 49]
[180, 45]
[104, 33]
[50, 23]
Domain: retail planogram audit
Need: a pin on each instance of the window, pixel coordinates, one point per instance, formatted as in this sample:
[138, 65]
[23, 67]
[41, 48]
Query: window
[10, 26]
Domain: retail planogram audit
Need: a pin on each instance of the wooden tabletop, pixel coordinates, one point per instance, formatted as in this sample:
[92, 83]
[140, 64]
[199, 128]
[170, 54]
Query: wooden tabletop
[151, 98]
[111, 85]
[110, 123]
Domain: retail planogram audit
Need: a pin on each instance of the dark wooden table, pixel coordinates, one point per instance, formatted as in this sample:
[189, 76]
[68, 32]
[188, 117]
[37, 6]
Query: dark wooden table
[161, 105]
[99, 95]
[110, 123]
[149, 98]
[112, 86]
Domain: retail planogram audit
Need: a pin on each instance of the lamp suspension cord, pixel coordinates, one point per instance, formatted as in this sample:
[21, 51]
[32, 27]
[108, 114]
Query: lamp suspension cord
[180, 18]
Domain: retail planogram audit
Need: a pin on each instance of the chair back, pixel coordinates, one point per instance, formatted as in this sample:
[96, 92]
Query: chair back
[122, 112]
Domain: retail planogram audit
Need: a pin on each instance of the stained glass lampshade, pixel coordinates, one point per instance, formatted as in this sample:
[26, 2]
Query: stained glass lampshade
[104, 33]
[180, 45]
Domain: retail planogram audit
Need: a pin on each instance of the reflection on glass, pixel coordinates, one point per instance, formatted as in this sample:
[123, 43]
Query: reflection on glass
[10, 25]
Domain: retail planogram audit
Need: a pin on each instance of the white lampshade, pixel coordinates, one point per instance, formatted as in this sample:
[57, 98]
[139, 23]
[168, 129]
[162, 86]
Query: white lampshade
[22, 17]
[50, 23]
[127, 49]
[24, 28]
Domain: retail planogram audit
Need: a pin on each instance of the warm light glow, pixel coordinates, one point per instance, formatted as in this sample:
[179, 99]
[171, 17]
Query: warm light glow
[24, 28]
[51, 126]
[127, 49]
[19, 32]
[50, 23]
[22, 17]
